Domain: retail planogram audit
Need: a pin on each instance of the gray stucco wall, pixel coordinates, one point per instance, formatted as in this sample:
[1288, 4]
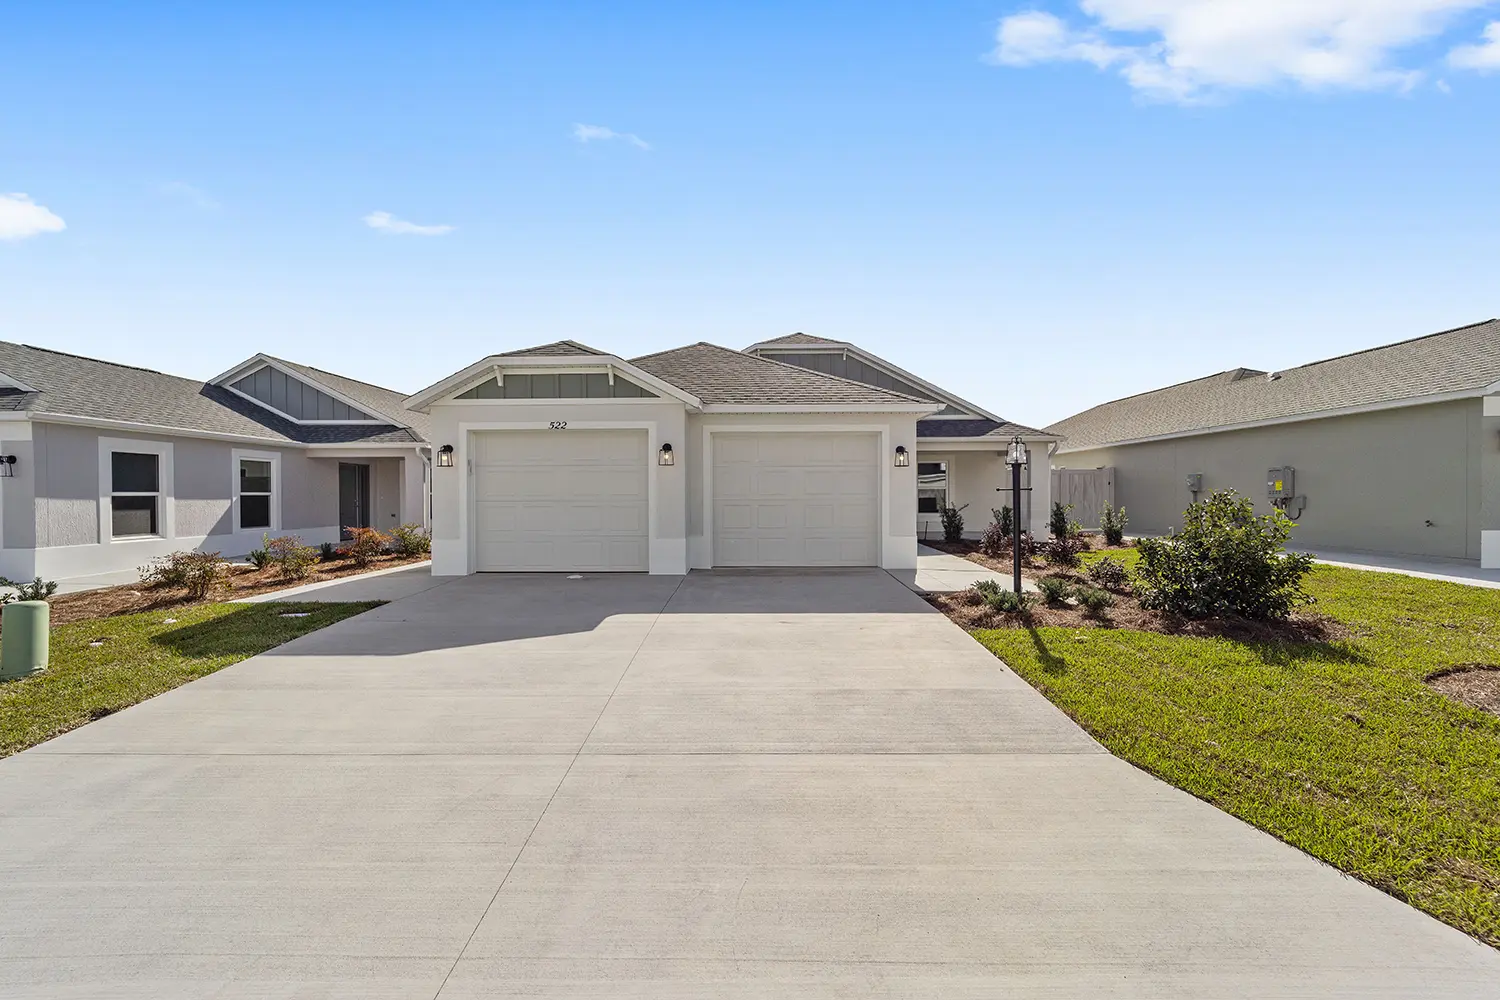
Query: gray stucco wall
[1372, 480]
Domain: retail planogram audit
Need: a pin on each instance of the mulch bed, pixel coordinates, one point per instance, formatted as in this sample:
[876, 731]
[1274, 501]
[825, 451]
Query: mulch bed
[1002, 564]
[1475, 684]
[242, 582]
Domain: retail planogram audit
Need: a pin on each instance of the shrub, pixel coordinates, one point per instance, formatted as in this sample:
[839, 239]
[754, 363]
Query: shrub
[1005, 520]
[364, 545]
[1109, 573]
[259, 558]
[1029, 547]
[953, 522]
[985, 588]
[1063, 550]
[1112, 522]
[196, 572]
[1008, 601]
[1225, 561]
[329, 552]
[410, 540]
[1094, 600]
[37, 590]
[1058, 523]
[291, 558]
[996, 538]
[1054, 589]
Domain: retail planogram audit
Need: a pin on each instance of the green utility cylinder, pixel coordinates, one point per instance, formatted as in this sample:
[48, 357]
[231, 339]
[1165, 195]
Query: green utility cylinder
[23, 639]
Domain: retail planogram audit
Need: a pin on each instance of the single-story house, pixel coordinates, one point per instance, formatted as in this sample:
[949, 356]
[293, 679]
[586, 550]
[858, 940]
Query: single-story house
[1392, 450]
[104, 466]
[795, 452]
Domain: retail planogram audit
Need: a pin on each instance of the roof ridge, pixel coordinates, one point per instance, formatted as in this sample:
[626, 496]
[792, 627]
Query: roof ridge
[1152, 392]
[1394, 343]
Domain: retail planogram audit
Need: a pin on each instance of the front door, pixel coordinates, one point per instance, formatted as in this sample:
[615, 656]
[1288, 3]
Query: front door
[354, 497]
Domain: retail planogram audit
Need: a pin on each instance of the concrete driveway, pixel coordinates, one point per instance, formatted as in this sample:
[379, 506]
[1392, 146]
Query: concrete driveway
[733, 785]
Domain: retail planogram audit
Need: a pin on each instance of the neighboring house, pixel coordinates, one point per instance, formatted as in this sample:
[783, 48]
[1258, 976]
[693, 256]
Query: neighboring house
[1394, 450]
[107, 465]
[562, 458]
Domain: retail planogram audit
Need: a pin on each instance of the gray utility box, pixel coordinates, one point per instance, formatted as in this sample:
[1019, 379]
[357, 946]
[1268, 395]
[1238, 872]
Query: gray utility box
[1195, 482]
[1281, 484]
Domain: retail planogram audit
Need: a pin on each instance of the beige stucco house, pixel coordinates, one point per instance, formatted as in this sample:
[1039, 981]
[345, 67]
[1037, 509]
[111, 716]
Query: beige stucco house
[1393, 450]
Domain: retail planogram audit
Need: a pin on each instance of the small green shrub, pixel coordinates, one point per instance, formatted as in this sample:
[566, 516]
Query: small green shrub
[953, 522]
[1054, 589]
[1008, 601]
[365, 545]
[986, 587]
[410, 540]
[1109, 573]
[259, 558]
[329, 552]
[1094, 600]
[1058, 523]
[1064, 550]
[1225, 561]
[1112, 523]
[196, 572]
[37, 590]
[292, 559]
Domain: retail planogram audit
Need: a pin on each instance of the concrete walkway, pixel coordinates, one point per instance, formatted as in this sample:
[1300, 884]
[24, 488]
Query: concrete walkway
[1450, 570]
[730, 785]
[938, 572]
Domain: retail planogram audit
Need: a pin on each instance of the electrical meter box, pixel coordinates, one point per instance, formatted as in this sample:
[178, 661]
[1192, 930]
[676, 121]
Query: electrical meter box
[1281, 484]
[1195, 482]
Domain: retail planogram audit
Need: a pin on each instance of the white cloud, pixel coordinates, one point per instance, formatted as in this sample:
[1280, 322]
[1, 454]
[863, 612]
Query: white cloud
[1194, 50]
[388, 223]
[20, 218]
[1485, 56]
[185, 192]
[591, 133]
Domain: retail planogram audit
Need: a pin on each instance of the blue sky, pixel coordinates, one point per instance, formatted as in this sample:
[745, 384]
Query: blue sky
[1038, 205]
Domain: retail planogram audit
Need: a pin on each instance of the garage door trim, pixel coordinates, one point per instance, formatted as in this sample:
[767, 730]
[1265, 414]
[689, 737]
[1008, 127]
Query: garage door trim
[882, 475]
[467, 500]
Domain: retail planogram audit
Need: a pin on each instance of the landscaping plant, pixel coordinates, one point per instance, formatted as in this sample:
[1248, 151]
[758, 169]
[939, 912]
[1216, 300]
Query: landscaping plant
[259, 558]
[1112, 523]
[1064, 549]
[365, 545]
[1225, 561]
[196, 572]
[953, 522]
[1109, 573]
[996, 538]
[37, 590]
[410, 540]
[1055, 590]
[292, 559]
[329, 552]
[1059, 523]
[1094, 600]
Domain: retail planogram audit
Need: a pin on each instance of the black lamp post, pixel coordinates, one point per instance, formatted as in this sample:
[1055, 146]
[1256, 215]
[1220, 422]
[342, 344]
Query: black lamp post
[1016, 458]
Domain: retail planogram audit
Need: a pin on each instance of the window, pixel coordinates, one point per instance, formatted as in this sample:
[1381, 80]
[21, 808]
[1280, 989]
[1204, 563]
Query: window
[255, 493]
[135, 494]
[932, 487]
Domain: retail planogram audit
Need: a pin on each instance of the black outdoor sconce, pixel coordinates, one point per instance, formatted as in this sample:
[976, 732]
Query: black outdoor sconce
[445, 457]
[7, 466]
[665, 456]
[903, 457]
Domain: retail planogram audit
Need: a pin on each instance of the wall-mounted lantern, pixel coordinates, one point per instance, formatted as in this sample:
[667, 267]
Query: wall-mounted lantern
[665, 456]
[7, 466]
[445, 457]
[903, 457]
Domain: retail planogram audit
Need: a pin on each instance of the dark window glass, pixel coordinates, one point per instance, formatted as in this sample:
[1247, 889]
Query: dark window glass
[255, 477]
[133, 473]
[133, 516]
[927, 505]
[255, 512]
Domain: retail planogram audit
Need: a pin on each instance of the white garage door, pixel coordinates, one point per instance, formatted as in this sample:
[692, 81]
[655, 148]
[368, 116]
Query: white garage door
[556, 501]
[796, 499]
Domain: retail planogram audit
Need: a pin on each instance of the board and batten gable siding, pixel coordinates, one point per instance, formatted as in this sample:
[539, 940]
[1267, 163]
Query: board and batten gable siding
[294, 397]
[853, 369]
[1373, 480]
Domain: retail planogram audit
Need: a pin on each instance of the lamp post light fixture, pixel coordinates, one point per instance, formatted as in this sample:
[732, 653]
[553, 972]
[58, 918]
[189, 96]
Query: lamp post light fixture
[1015, 458]
[665, 456]
[903, 457]
[445, 457]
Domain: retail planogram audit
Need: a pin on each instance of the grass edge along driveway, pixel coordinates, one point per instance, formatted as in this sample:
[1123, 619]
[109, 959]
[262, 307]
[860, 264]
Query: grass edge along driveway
[1339, 749]
[141, 656]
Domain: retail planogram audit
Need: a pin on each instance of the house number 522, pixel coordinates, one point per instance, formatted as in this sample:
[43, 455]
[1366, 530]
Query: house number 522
[558, 425]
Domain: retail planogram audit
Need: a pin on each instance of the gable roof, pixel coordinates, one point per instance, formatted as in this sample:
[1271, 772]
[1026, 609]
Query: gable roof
[804, 338]
[721, 376]
[558, 348]
[1462, 361]
[373, 399]
[1004, 430]
[69, 385]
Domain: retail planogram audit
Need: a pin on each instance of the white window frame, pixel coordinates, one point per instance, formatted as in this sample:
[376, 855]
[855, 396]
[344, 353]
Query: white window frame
[947, 465]
[165, 489]
[274, 458]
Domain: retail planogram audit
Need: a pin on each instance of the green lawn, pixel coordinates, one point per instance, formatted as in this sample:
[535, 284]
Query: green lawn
[143, 655]
[1339, 749]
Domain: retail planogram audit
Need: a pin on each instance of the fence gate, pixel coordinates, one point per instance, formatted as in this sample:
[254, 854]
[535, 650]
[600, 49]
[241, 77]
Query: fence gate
[1088, 490]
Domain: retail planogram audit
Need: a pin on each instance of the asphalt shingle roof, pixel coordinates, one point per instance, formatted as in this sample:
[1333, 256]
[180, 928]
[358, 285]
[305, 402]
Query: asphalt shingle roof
[719, 375]
[976, 428]
[803, 338]
[558, 348]
[376, 400]
[70, 385]
[1463, 359]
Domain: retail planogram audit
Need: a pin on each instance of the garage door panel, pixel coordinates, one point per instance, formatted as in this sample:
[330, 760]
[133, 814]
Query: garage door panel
[795, 499]
[558, 501]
